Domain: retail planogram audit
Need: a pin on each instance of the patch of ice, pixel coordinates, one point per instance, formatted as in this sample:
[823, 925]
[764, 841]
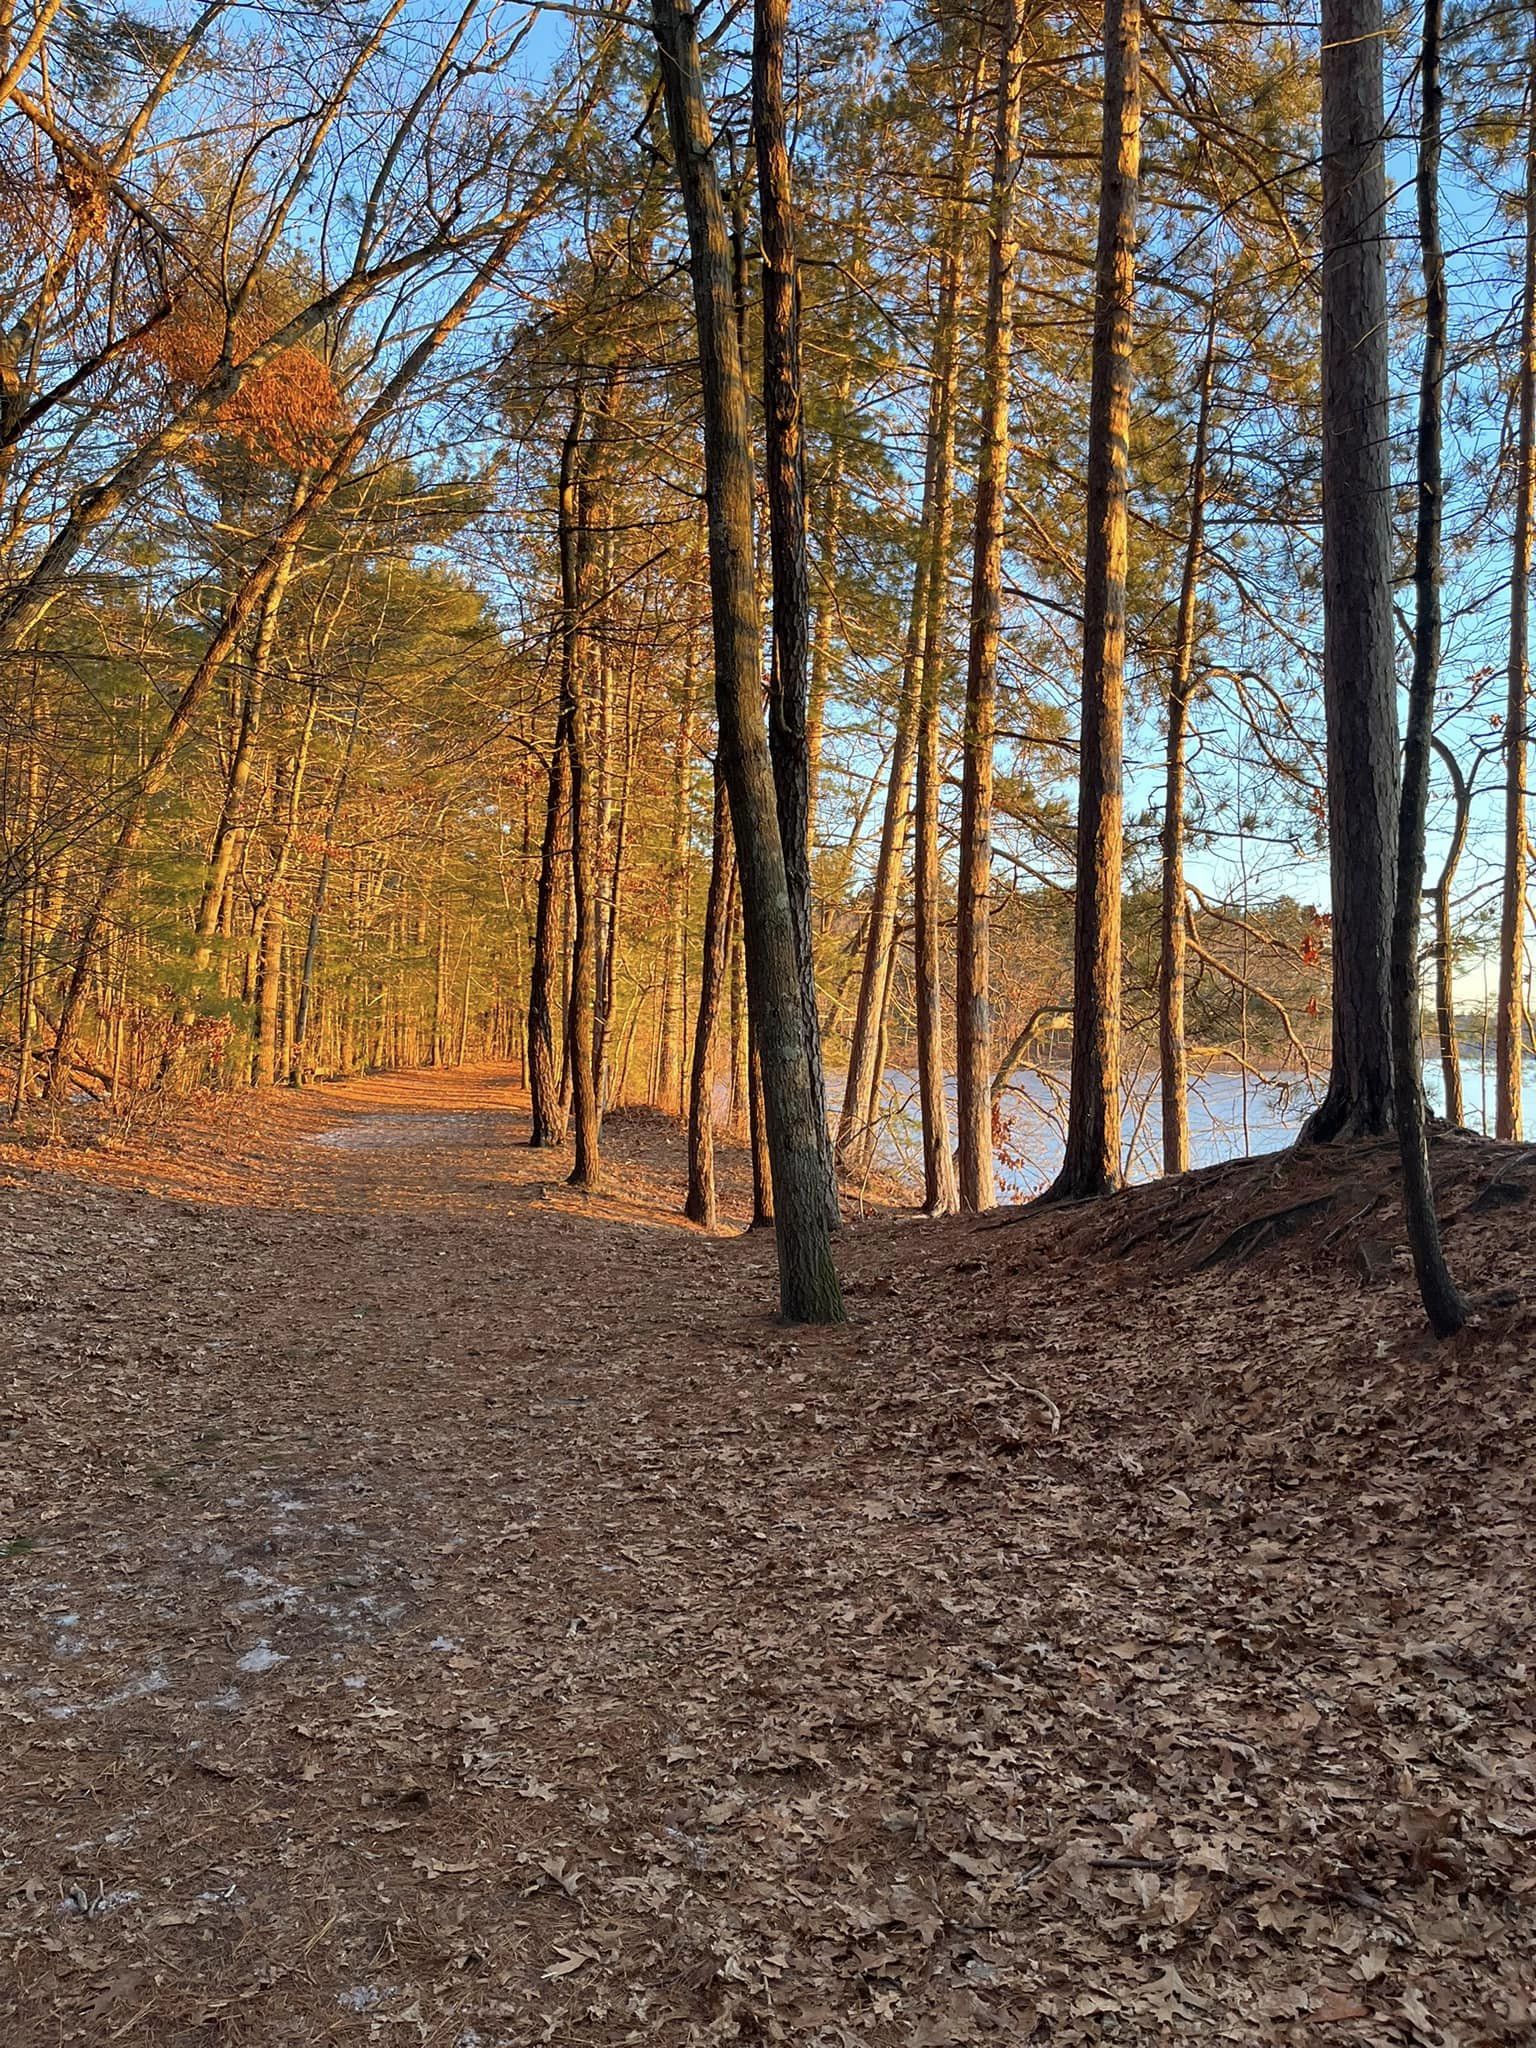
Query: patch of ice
[247, 1575]
[445, 1643]
[262, 1658]
[137, 1689]
[363, 1997]
[226, 1702]
[283, 1600]
[354, 1684]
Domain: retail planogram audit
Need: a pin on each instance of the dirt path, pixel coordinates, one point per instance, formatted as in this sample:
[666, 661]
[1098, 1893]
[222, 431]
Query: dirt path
[446, 1609]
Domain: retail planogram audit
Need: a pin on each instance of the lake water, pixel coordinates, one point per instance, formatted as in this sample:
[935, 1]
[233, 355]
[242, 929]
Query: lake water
[1231, 1116]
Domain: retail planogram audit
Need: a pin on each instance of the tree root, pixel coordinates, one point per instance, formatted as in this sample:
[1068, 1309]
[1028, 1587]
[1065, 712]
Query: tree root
[1259, 1231]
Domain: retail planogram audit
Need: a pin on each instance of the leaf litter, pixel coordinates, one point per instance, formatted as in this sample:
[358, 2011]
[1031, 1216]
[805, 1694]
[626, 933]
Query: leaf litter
[444, 1608]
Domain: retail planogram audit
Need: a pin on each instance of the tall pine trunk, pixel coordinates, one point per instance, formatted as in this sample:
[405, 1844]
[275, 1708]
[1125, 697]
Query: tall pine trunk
[1443, 1305]
[578, 523]
[1509, 1069]
[1445, 940]
[548, 1119]
[941, 1194]
[789, 672]
[808, 1284]
[973, 1047]
[1359, 680]
[858, 1122]
[1173, 1064]
[1091, 1165]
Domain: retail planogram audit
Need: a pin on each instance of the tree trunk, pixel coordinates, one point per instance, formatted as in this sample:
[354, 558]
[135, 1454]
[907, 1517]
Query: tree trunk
[322, 889]
[1359, 683]
[941, 1195]
[227, 835]
[440, 1021]
[603, 918]
[547, 1118]
[757, 1135]
[545, 1080]
[789, 669]
[576, 528]
[151, 780]
[1443, 1305]
[1509, 1055]
[739, 1078]
[616, 878]
[1445, 950]
[808, 1285]
[670, 1075]
[699, 1206]
[973, 1048]
[829, 538]
[268, 983]
[1172, 1060]
[1091, 1165]
[861, 1089]
[272, 912]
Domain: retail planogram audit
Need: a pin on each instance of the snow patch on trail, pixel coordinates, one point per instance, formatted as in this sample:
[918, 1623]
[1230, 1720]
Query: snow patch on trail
[262, 1658]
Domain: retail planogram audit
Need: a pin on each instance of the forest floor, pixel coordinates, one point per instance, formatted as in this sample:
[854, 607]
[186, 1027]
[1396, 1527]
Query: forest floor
[442, 1608]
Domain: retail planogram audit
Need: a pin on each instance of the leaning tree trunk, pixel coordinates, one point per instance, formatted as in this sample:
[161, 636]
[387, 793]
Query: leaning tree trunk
[1091, 1165]
[226, 838]
[808, 1284]
[1173, 1062]
[1443, 1304]
[789, 672]
[1509, 1056]
[1359, 681]
[151, 780]
[973, 1049]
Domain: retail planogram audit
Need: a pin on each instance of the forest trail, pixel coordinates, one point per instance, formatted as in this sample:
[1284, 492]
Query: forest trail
[444, 1608]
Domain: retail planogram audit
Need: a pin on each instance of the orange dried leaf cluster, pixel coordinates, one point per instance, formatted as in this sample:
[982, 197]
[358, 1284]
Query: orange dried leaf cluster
[40, 207]
[287, 408]
[86, 195]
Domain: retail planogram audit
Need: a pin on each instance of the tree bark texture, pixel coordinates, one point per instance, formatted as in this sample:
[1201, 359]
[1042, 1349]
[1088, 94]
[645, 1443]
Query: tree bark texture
[808, 1285]
[1359, 683]
[1091, 1165]
[972, 940]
